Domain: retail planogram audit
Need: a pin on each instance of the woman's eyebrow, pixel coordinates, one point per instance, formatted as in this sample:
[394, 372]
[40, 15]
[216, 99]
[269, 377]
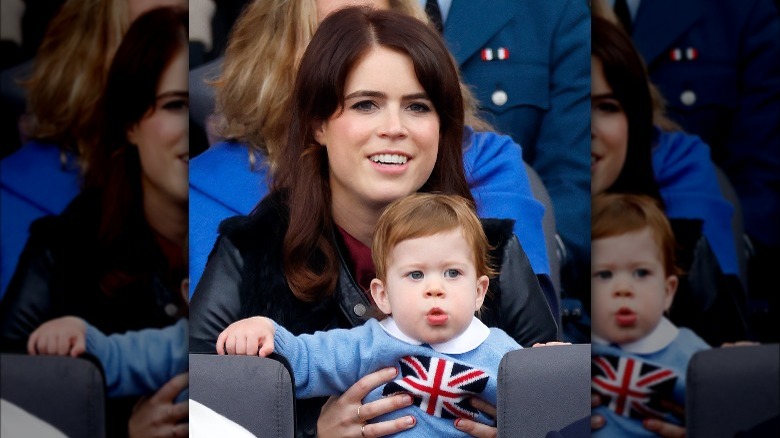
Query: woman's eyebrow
[379, 94]
[173, 94]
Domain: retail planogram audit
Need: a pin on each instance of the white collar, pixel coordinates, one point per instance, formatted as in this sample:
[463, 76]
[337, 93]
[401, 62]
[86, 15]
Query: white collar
[662, 335]
[474, 335]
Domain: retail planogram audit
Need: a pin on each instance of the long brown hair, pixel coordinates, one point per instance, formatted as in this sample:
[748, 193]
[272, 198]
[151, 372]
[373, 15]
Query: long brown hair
[626, 74]
[149, 46]
[341, 41]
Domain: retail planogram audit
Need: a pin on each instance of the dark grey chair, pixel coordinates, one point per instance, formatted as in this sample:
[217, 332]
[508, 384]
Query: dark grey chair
[67, 393]
[253, 392]
[733, 390]
[543, 390]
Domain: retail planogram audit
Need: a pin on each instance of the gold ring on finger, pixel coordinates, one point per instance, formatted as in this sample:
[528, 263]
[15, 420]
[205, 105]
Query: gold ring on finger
[358, 415]
[363, 431]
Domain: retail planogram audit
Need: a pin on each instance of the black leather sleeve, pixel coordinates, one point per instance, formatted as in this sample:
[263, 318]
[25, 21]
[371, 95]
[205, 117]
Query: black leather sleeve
[216, 302]
[29, 299]
[525, 314]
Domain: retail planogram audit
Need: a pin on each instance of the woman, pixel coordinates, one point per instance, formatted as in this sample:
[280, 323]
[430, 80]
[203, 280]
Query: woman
[377, 114]
[44, 175]
[256, 82]
[114, 256]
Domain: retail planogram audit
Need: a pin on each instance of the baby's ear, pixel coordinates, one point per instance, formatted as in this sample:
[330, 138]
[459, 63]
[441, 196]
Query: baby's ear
[379, 293]
[482, 286]
[185, 289]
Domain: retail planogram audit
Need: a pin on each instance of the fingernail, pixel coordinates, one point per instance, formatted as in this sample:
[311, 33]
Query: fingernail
[392, 371]
[457, 423]
[408, 399]
[411, 421]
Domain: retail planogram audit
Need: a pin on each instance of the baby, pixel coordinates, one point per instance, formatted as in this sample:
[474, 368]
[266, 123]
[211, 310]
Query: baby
[430, 254]
[639, 358]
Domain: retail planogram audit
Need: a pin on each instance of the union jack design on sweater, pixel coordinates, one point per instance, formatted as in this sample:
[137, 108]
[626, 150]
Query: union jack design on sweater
[439, 387]
[633, 388]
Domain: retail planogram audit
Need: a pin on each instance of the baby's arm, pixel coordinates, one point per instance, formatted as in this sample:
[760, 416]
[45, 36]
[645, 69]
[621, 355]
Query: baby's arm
[251, 337]
[59, 337]
[140, 362]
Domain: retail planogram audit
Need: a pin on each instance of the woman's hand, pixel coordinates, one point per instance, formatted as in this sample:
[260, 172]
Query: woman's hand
[475, 428]
[157, 416]
[251, 337]
[64, 336]
[340, 416]
[662, 428]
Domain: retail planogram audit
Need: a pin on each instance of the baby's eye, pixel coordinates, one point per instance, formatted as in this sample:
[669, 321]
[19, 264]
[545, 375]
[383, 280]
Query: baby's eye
[364, 105]
[641, 273]
[415, 275]
[603, 275]
[451, 273]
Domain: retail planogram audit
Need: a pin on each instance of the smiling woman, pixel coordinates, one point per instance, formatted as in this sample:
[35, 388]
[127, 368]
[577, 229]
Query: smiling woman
[377, 114]
[114, 257]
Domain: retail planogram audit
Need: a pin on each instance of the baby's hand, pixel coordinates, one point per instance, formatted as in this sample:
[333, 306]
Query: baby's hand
[548, 344]
[251, 336]
[59, 337]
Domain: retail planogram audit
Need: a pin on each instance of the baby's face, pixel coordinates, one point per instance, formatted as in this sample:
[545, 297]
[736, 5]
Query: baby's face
[629, 288]
[432, 289]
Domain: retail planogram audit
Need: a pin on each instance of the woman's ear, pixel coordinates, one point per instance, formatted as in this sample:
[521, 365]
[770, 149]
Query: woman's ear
[379, 293]
[132, 134]
[319, 129]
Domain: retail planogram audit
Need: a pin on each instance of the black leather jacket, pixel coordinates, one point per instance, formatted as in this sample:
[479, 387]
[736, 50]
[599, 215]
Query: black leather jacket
[244, 277]
[57, 275]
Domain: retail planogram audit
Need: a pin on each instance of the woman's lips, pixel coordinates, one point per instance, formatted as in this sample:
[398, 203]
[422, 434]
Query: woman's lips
[437, 316]
[625, 317]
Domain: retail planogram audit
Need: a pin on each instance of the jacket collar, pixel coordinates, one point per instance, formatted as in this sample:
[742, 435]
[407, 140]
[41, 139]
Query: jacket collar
[471, 338]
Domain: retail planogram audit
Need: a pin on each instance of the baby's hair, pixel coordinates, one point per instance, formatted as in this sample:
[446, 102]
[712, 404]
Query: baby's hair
[615, 214]
[426, 214]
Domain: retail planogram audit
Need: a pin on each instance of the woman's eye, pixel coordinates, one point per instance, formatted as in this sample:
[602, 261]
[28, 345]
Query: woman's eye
[419, 107]
[451, 273]
[176, 105]
[364, 105]
[609, 106]
[415, 275]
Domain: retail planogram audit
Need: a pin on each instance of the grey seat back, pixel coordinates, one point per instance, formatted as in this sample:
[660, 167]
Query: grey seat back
[732, 390]
[67, 393]
[254, 392]
[544, 389]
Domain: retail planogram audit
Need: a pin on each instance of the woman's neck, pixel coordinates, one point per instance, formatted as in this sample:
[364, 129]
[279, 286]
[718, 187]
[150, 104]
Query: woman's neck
[164, 215]
[357, 220]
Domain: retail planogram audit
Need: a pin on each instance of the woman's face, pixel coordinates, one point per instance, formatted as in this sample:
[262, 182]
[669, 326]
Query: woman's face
[325, 7]
[608, 131]
[162, 135]
[383, 145]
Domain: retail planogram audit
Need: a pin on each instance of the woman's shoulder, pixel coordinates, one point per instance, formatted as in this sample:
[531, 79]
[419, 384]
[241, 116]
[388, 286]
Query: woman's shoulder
[268, 220]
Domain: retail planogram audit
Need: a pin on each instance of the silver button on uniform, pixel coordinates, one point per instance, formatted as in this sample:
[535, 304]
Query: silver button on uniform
[688, 97]
[359, 309]
[171, 309]
[499, 97]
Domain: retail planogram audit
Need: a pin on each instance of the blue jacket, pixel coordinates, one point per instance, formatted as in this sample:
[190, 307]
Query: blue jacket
[140, 362]
[329, 363]
[33, 183]
[546, 81]
[222, 185]
[689, 186]
[726, 90]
